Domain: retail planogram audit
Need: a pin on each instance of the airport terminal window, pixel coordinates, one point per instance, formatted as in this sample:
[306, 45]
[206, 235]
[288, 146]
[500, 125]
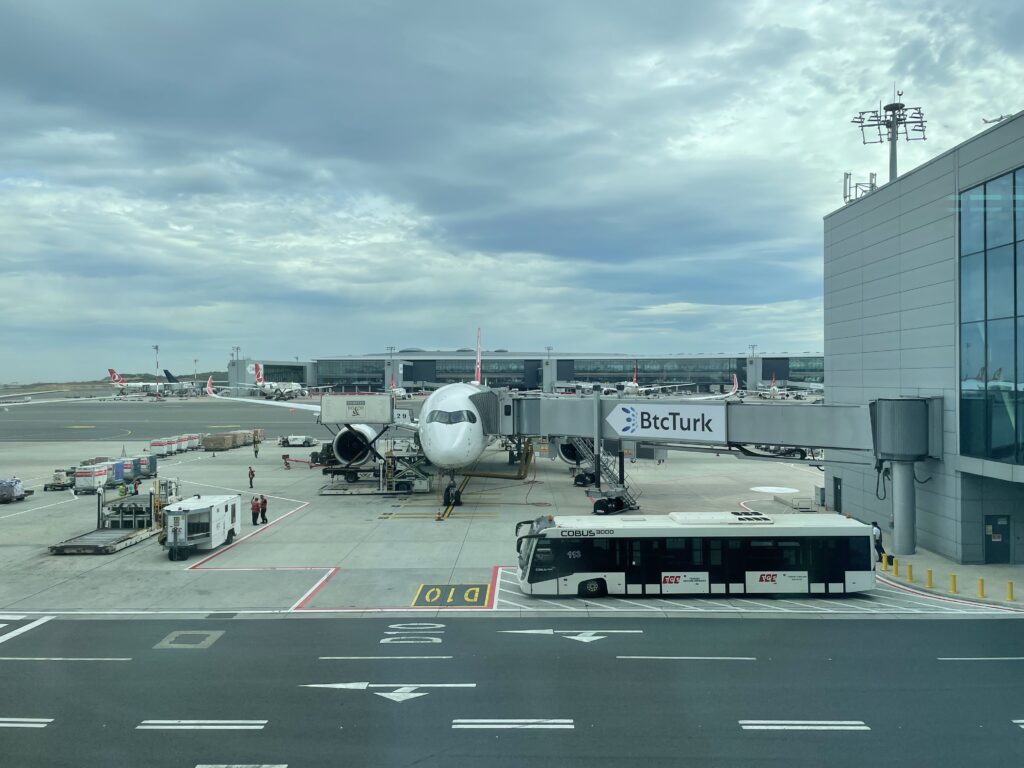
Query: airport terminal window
[992, 319]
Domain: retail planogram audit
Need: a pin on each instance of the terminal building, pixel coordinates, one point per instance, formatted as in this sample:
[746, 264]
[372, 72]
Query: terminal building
[413, 368]
[924, 296]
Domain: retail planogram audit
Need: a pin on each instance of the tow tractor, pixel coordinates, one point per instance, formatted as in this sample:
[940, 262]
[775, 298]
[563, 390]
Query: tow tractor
[13, 490]
[62, 480]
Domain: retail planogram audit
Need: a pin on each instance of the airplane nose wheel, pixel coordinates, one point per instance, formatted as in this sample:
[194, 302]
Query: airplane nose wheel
[452, 496]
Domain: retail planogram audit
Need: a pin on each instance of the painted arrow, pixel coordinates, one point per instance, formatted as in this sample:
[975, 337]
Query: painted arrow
[583, 635]
[402, 692]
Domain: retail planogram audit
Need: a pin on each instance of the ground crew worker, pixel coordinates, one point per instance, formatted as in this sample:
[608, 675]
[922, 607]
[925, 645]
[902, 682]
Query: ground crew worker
[254, 507]
[252, 475]
[255, 445]
[263, 509]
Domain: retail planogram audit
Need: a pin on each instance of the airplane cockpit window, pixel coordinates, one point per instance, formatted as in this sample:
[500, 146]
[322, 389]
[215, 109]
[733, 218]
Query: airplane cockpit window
[451, 417]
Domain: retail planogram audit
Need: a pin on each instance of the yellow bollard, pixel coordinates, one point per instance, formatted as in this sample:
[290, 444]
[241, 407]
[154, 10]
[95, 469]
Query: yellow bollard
[928, 579]
[895, 566]
[1009, 591]
[910, 571]
[981, 587]
[885, 562]
[952, 583]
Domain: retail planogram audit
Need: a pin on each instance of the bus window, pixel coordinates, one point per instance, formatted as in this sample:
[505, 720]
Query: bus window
[714, 552]
[775, 555]
[859, 554]
[682, 554]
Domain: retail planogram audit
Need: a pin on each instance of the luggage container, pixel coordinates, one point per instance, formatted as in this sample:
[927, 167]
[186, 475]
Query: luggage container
[147, 466]
[201, 523]
[89, 479]
[128, 469]
[115, 472]
[158, 446]
[194, 441]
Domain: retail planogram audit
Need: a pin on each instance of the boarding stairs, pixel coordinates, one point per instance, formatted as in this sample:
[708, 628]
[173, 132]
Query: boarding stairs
[612, 496]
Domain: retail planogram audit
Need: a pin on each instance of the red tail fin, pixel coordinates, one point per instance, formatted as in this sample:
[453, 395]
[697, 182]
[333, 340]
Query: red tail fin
[634, 371]
[115, 377]
[259, 373]
[209, 386]
[477, 372]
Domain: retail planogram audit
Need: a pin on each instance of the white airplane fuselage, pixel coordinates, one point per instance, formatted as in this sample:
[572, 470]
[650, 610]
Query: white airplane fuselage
[450, 430]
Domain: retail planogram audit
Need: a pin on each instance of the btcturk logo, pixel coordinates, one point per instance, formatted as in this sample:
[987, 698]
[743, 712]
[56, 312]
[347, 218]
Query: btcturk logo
[629, 427]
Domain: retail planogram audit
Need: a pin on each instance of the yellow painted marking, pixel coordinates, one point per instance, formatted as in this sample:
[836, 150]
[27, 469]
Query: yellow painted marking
[452, 596]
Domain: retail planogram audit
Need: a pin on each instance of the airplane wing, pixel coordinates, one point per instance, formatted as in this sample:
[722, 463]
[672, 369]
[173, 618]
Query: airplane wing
[724, 395]
[278, 403]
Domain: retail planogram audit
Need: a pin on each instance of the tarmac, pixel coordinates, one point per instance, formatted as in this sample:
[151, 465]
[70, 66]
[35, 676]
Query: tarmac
[365, 554]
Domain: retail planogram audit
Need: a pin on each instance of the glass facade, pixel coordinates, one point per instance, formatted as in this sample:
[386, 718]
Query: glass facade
[992, 319]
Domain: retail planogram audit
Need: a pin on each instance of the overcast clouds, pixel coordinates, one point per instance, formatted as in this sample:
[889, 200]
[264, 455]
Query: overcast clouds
[320, 179]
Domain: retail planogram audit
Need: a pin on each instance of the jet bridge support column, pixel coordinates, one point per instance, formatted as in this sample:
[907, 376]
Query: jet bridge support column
[904, 508]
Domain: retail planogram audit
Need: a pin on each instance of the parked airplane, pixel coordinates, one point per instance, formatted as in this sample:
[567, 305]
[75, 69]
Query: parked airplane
[124, 387]
[450, 431]
[282, 390]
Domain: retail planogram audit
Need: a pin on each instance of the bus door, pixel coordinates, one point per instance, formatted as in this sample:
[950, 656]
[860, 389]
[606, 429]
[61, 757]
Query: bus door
[643, 566]
[827, 570]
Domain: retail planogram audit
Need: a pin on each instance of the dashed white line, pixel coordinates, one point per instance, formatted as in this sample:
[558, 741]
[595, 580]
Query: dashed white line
[692, 658]
[804, 725]
[511, 723]
[201, 725]
[25, 722]
[61, 658]
[981, 658]
[370, 658]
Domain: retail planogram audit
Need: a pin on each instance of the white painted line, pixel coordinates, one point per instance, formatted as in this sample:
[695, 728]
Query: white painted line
[36, 509]
[693, 658]
[517, 605]
[981, 658]
[367, 658]
[638, 605]
[25, 722]
[312, 589]
[10, 617]
[512, 724]
[61, 658]
[242, 765]
[201, 725]
[803, 725]
[676, 605]
[26, 628]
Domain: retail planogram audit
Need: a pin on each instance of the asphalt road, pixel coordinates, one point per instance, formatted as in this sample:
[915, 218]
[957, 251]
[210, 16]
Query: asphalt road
[146, 420]
[734, 693]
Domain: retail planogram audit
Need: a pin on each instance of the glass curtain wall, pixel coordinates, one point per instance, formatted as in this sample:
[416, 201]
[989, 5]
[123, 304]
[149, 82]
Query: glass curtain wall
[992, 319]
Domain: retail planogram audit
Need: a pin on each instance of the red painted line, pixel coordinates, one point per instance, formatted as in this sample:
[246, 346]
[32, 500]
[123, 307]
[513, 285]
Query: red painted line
[302, 605]
[245, 538]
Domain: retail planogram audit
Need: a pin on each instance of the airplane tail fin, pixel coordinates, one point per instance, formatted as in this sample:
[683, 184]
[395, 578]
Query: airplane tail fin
[634, 371]
[209, 386]
[735, 385]
[115, 377]
[477, 371]
[259, 373]
[171, 378]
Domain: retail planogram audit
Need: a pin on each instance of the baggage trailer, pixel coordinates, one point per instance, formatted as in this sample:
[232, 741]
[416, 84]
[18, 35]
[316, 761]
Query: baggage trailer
[13, 490]
[121, 521]
[201, 523]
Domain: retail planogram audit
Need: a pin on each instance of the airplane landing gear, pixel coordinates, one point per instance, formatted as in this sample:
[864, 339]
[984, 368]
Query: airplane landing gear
[452, 495]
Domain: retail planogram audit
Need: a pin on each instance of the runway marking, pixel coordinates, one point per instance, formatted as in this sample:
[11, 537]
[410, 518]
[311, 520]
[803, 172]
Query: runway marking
[981, 658]
[25, 722]
[512, 724]
[61, 658]
[22, 630]
[691, 658]
[804, 725]
[380, 658]
[36, 509]
[201, 725]
[81, 426]
[10, 617]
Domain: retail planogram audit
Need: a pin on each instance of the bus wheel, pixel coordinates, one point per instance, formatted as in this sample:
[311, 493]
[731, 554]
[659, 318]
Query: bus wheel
[593, 588]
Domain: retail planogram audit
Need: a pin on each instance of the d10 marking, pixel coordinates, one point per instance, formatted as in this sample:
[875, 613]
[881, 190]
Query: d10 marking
[402, 692]
[583, 635]
[452, 596]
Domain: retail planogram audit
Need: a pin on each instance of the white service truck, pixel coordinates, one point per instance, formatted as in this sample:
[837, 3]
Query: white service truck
[201, 523]
[297, 440]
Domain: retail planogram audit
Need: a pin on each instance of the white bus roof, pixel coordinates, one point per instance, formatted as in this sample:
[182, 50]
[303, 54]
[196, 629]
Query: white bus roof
[707, 524]
[194, 503]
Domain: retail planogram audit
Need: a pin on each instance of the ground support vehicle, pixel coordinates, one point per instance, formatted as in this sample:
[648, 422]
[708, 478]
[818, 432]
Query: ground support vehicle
[700, 553]
[62, 480]
[13, 490]
[201, 523]
[121, 521]
[293, 441]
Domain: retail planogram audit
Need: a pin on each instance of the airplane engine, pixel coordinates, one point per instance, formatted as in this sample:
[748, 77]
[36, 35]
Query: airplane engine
[567, 452]
[351, 445]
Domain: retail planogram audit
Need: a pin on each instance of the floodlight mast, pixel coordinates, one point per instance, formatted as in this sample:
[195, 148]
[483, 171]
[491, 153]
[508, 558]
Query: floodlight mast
[898, 118]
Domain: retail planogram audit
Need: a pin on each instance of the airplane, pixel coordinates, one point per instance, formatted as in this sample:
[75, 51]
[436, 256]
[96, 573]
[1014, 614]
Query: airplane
[450, 431]
[178, 386]
[634, 388]
[280, 390]
[124, 387]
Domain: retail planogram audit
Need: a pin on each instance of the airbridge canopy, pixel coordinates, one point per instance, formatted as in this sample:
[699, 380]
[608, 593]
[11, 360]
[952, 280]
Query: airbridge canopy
[688, 421]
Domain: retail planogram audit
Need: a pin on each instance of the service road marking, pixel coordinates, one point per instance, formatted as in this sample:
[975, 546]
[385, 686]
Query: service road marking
[242, 765]
[583, 635]
[22, 630]
[981, 658]
[692, 658]
[201, 725]
[25, 722]
[804, 725]
[60, 658]
[512, 724]
[373, 658]
[402, 692]
[1018, 723]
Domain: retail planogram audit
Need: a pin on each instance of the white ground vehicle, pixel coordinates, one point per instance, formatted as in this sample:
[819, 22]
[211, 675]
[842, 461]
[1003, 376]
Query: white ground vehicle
[297, 440]
[733, 553]
[201, 523]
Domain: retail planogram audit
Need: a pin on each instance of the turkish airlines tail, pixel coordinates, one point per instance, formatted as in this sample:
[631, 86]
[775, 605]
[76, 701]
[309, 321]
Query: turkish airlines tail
[477, 374]
[259, 373]
[115, 377]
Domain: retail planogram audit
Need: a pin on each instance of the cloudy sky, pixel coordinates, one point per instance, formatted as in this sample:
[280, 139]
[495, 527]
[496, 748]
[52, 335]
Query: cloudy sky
[330, 178]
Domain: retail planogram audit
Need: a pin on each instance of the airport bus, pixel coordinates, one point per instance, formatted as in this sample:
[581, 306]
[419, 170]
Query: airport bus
[701, 553]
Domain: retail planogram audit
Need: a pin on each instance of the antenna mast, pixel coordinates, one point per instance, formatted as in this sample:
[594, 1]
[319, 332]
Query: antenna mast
[895, 118]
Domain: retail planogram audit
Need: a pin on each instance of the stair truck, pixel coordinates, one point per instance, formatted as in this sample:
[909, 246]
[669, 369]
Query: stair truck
[201, 523]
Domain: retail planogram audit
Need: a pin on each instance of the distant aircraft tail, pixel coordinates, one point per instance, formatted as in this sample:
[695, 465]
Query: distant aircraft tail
[634, 372]
[171, 378]
[259, 374]
[115, 377]
[735, 385]
[209, 386]
[477, 371]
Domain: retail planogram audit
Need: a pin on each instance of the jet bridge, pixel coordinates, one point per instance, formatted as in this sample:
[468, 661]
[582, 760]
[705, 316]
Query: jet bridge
[899, 431]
